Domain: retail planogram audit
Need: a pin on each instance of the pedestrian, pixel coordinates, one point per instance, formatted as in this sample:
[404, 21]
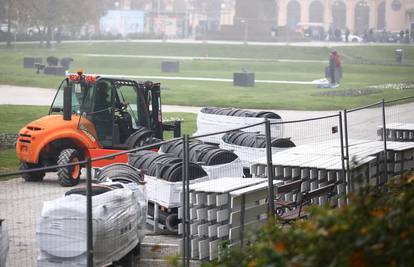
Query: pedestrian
[334, 69]
[347, 33]
[401, 35]
[407, 36]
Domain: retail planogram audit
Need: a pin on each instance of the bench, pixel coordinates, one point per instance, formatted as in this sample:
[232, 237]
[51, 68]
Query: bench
[300, 212]
[282, 205]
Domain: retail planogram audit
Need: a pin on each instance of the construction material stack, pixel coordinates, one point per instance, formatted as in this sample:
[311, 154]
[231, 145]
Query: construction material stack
[215, 162]
[212, 120]
[118, 216]
[163, 176]
[217, 213]
[250, 146]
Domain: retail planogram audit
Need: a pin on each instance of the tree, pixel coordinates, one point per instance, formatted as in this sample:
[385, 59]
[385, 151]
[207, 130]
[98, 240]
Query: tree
[48, 15]
[10, 9]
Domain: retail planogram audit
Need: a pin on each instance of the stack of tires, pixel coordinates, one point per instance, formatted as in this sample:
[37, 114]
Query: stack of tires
[163, 166]
[119, 207]
[252, 146]
[247, 139]
[236, 112]
[216, 162]
[211, 120]
[205, 154]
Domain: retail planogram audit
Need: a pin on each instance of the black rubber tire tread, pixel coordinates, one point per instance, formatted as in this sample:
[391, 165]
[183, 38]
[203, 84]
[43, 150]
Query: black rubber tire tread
[194, 171]
[120, 172]
[32, 176]
[248, 139]
[137, 158]
[171, 222]
[240, 112]
[139, 138]
[65, 174]
[96, 190]
[283, 142]
[164, 161]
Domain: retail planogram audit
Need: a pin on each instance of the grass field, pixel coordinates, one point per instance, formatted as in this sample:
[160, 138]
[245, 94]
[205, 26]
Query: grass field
[13, 118]
[263, 63]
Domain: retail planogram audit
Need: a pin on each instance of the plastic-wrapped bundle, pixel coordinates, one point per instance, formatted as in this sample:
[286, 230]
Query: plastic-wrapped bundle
[213, 120]
[119, 214]
[4, 244]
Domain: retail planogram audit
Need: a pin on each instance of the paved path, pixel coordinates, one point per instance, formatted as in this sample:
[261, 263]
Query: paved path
[191, 41]
[207, 58]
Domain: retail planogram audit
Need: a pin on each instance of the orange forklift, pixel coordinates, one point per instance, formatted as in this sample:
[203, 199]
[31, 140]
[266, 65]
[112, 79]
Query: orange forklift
[92, 116]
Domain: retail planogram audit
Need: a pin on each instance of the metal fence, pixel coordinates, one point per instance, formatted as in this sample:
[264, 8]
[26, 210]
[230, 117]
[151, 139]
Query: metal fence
[364, 145]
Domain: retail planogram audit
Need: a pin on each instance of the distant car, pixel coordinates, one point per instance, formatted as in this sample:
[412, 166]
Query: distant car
[352, 38]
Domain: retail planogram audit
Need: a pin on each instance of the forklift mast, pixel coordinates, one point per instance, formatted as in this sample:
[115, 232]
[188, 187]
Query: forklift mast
[152, 93]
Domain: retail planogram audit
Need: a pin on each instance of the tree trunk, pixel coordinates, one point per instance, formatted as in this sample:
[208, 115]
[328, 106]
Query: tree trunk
[9, 25]
[48, 36]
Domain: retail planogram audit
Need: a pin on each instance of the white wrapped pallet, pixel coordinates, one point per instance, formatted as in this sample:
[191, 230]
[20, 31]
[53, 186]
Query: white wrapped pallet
[118, 226]
[231, 169]
[4, 244]
[212, 123]
[249, 155]
[166, 193]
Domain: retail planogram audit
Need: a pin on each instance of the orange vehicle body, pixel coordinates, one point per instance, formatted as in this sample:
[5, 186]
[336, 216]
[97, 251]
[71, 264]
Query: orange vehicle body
[36, 137]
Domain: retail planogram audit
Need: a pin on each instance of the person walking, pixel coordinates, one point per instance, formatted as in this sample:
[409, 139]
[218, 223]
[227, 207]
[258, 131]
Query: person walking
[334, 69]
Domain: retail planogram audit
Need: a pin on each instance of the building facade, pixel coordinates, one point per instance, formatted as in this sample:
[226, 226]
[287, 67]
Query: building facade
[356, 15]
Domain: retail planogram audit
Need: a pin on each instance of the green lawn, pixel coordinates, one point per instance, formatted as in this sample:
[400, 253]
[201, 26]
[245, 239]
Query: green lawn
[199, 93]
[13, 118]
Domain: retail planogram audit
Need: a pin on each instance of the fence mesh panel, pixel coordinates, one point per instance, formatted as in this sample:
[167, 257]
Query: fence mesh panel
[399, 121]
[21, 205]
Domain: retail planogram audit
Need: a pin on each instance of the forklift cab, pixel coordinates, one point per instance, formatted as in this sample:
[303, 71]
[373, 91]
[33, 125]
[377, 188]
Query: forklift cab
[117, 108]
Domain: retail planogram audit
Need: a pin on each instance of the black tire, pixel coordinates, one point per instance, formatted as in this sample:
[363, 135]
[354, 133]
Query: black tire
[69, 176]
[96, 190]
[32, 176]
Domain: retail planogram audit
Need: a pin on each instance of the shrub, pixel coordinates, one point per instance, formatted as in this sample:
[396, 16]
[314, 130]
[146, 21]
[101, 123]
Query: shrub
[376, 229]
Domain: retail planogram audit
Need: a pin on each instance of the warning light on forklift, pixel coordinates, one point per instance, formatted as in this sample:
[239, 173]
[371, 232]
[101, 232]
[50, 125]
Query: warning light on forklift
[74, 77]
[90, 79]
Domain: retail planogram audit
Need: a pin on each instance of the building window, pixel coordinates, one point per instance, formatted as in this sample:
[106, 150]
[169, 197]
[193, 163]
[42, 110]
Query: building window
[293, 14]
[339, 15]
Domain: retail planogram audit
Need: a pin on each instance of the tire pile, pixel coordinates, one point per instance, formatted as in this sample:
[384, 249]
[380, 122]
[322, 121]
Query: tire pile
[163, 166]
[248, 139]
[142, 137]
[208, 155]
[240, 113]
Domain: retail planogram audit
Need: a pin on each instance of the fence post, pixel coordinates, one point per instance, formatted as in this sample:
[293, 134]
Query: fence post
[341, 136]
[186, 202]
[270, 172]
[348, 172]
[384, 133]
[89, 229]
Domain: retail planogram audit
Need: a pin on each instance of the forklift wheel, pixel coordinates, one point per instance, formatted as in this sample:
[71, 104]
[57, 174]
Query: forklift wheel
[69, 176]
[31, 176]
